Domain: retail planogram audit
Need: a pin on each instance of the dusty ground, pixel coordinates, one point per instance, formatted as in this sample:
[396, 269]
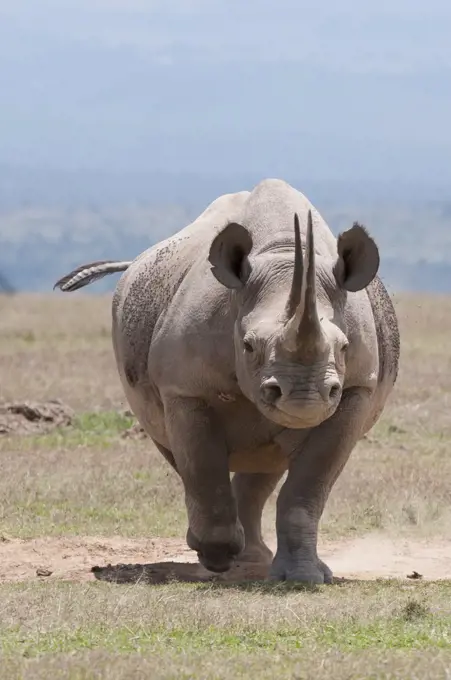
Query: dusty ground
[161, 559]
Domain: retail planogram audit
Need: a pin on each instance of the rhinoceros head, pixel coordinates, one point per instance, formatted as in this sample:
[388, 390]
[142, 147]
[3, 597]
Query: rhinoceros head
[291, 339]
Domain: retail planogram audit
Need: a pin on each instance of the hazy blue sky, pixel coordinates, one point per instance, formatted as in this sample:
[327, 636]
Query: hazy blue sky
[327, 89]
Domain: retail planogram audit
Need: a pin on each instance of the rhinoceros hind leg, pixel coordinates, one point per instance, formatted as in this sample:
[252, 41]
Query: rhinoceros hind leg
[251, 491]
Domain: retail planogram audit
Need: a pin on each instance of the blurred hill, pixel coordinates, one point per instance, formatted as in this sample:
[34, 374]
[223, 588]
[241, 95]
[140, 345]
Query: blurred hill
[52, 221]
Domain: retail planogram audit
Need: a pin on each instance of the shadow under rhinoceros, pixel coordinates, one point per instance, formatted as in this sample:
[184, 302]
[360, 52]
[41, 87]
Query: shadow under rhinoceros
[184, 572]
[244, 576]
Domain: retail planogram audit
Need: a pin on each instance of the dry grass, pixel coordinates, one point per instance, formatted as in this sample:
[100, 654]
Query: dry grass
[206, 632]
[52, 346]
[89, 481]
[304, 665]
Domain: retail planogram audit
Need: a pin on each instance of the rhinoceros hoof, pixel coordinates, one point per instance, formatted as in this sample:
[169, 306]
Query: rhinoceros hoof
[215, 565]
[306, 571]
[214, 556]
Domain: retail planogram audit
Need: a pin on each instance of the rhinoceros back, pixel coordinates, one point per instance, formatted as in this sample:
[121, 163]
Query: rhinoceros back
[147, 288]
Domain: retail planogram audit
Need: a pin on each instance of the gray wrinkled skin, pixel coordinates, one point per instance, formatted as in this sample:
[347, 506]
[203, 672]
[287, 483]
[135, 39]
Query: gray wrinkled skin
[244, 348]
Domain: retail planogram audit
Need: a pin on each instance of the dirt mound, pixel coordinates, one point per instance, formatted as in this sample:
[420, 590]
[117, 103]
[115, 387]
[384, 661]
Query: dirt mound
[33, 418]
[161, 559]
[134, 432]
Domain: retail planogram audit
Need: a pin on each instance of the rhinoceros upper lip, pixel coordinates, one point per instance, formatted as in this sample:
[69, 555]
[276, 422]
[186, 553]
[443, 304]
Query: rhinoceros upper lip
[273, 408]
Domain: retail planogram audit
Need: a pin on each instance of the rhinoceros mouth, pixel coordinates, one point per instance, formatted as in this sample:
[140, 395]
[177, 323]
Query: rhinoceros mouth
[297, 421]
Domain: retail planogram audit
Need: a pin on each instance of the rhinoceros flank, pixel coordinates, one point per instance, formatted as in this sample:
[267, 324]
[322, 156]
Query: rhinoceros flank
[253, 341]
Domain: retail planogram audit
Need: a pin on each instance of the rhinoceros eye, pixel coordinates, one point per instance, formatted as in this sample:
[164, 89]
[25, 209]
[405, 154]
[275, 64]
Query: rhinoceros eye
[248, 346]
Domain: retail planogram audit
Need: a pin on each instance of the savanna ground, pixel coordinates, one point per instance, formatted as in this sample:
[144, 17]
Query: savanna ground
[82, 495]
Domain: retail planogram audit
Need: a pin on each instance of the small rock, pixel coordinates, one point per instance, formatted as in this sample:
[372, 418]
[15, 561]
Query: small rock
[415, 575]
[43, 572]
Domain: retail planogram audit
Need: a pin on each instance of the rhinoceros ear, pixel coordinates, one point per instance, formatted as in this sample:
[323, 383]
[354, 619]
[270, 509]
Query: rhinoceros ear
[358, 259]
[228, 255]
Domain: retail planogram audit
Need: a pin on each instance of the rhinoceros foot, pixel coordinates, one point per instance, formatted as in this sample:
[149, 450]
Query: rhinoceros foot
[309, 571]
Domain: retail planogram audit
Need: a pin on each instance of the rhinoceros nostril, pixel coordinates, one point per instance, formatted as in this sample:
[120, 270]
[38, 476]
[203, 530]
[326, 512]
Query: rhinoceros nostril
[334, 391]
[271, 393]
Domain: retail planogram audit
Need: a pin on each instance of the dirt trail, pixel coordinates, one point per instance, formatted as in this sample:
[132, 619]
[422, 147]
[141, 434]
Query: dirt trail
[157, 560]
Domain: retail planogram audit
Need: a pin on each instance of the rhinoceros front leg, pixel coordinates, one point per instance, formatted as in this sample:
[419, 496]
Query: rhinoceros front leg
[314, 468]
[200, 454]
[252, 490]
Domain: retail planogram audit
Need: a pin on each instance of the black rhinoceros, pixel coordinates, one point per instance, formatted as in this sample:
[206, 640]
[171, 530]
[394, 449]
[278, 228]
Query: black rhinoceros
[253, 341]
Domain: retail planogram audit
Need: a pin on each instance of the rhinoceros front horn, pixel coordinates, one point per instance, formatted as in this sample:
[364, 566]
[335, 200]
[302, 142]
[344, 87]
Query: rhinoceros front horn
[303, 328]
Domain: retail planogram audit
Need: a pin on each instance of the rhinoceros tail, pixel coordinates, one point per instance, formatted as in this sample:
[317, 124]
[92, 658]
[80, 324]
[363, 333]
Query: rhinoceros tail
[88, 273]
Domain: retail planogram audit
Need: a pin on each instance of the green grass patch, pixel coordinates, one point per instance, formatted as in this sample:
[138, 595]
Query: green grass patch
[98, 429]
[103, 422]
[424, 633]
